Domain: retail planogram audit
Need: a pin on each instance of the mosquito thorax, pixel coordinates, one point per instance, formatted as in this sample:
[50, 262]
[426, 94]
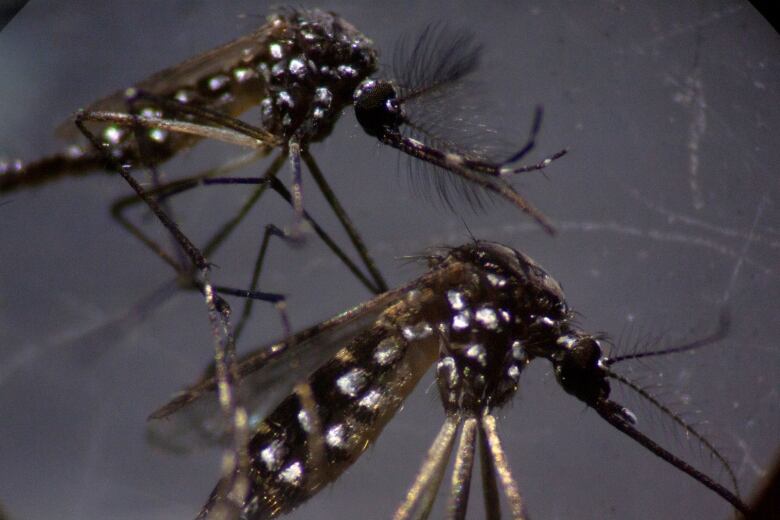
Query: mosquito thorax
[506, 311]
[578, 365]
[313, 63]
[376, 107]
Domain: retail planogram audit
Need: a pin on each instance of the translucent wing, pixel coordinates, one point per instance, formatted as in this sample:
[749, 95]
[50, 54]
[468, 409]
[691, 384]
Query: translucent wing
[193, 418]
[212, 62]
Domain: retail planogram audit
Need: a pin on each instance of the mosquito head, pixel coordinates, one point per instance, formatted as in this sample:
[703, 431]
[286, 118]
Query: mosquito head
[579, 367]
[377, 108]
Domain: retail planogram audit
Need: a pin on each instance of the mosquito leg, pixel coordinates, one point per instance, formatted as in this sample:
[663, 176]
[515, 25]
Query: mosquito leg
[236, 460]
[489, 484]
[512, 492]
[279, 188]
[145, 157]
[346, 222]
[171, 189]
[270, 231]
[207, 179]
[209, 118]
[536, 125]
[257, 140]
[315, 436]
[262, 184]
[294, 148]
[165, 191]
[461, 474]
[430, 474]
[185, 127]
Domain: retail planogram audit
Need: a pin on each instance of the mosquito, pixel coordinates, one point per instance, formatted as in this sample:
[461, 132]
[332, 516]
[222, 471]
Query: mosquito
[302, 68]
[480, 314]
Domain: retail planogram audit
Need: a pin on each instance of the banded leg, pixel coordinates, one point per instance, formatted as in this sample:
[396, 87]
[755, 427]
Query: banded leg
[419, 498]
[489, 485]
[235, 460]
[461, 474]
[489, 430]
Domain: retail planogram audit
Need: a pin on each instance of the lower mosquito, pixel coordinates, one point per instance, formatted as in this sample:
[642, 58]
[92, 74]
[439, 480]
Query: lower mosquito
[480, 314]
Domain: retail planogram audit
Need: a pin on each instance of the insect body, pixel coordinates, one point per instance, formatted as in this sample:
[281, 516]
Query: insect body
[481, 314]
[302, 68]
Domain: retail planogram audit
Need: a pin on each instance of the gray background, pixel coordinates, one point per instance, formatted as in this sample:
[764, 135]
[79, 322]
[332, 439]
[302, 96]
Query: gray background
[640, 95]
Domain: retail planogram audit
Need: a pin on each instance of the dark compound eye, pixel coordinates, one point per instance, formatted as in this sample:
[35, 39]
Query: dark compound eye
[578, 369]
[376, 107]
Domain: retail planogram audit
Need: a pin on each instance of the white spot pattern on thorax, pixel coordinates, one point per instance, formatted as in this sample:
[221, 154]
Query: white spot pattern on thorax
[461, 320]
[487, 317]
[456, 300]
[477, 352]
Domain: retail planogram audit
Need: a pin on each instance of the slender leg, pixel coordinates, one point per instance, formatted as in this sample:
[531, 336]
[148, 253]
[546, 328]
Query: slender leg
[315, 437]
[236, 460]
[428, 479]
[294, 148]
[279, 188]
[234, 131]
[346, 222]
[512, 492]
[270, 231]
[165, 191]
[489, 484]
[461, 474]
[212, 245]
[209, 119]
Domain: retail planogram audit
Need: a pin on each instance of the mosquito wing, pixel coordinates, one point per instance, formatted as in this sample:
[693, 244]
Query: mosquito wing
[193, 417]
[212, 63]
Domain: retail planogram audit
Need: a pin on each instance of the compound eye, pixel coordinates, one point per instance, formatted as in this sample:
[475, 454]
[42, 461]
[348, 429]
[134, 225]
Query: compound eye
[376, 107]
[588, 352]
[579, 372]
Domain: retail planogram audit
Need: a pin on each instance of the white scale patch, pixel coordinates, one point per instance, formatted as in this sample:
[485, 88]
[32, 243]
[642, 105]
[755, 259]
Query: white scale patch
[303, 420]
[292, 474]
[449, 369]
[217, 82]
[518, 351]
[351, 383]
[334, 437]
[420, 330]
[112, 134]
[371, 399]
[477, 352]
[456, 299]
[387, 352]
[276, 51]
[487, 317]
[496, 280]
[461, 320]
[273, 455]
[297, 67]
